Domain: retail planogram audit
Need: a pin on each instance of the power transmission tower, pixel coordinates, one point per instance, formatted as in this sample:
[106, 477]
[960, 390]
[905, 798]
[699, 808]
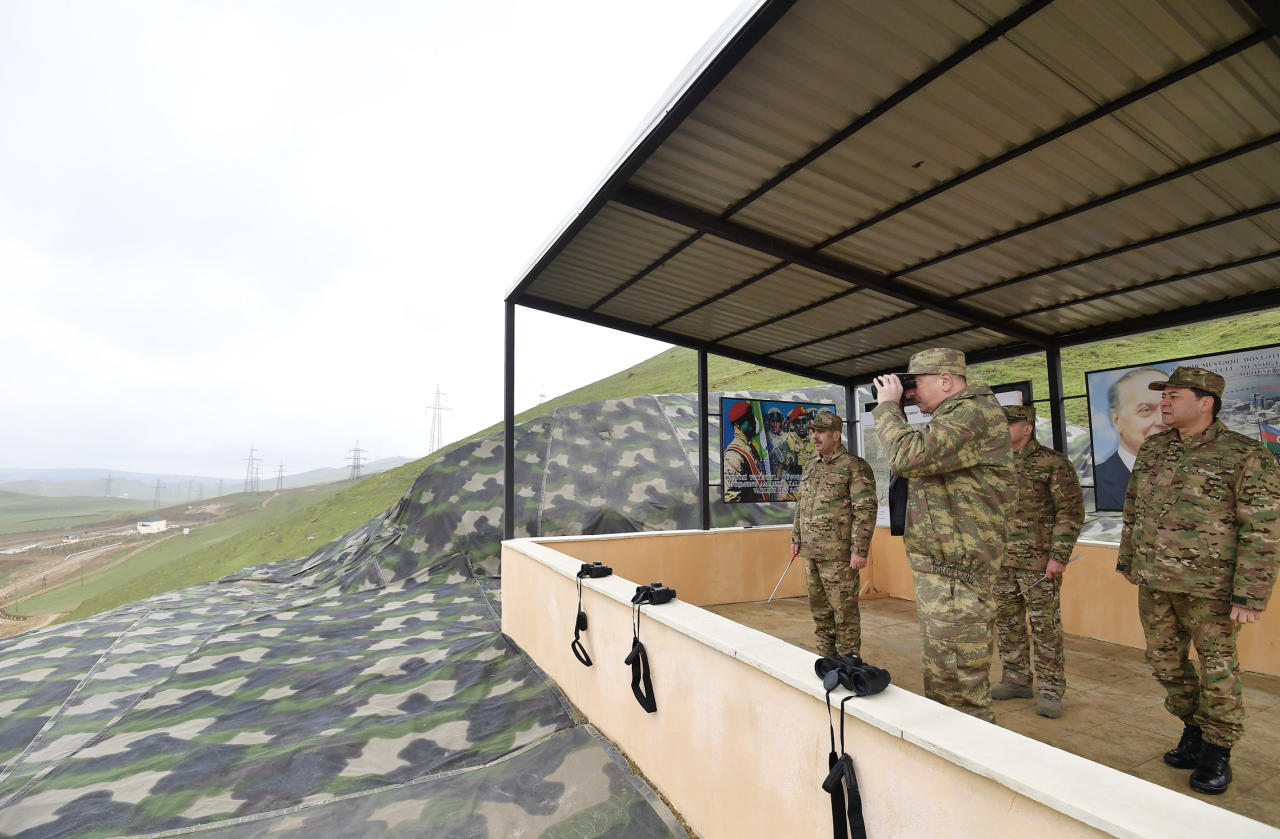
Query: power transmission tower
[159, 486]
[280, 476]
[219, 486]
[436, 410]
[356, 462]
[107, 492]
[251, 471]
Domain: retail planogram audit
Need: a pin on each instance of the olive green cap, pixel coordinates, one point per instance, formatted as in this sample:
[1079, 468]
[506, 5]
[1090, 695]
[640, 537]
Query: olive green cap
[937, 360]
[1196, 377]
[827, 419]
[1014, 413]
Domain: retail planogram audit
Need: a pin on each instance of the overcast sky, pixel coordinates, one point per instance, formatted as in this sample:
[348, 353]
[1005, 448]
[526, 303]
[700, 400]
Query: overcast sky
[284, 224]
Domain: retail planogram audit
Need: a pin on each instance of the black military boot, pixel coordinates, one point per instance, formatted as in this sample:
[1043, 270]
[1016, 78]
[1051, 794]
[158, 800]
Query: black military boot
[1187, 753]
[1213, 774]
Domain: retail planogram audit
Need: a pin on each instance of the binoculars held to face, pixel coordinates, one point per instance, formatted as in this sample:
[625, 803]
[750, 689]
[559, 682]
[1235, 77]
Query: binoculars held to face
[851, 672]
[908, 381]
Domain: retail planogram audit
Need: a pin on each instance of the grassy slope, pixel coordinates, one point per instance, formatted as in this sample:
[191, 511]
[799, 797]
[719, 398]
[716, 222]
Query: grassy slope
[167, 564]
[672, 371]
[21, 513]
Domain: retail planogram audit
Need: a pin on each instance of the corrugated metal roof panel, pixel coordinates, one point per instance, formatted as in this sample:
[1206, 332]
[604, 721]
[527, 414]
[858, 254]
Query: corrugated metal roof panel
[706, 267]
[944, 168]
[787, 289]
[612, 248]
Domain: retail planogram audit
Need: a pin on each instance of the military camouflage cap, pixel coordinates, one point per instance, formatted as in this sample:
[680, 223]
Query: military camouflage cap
[827, 419]
[937, 360]
[1014, 413]
[1196, 377]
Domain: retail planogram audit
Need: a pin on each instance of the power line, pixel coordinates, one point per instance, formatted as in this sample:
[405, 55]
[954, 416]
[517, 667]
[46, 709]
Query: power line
[251, 471]
[356, 462]
[437, 409]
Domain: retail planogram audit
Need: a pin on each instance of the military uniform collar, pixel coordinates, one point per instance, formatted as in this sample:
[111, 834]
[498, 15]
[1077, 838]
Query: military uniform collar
[1213, 432]
[840, 449]
[1030, 448]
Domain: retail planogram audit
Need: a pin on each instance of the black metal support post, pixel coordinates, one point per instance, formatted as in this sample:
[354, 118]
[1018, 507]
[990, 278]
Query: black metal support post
[704, 447]
[851, 420]
[509, 425]
[1057, 414]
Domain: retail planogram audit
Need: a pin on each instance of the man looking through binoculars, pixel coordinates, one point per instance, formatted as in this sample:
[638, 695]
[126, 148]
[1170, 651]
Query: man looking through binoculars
[960, 467]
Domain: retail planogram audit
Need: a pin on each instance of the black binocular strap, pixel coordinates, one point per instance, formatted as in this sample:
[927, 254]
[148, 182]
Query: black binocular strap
[580, 626]
[639, 661]
[840, 781]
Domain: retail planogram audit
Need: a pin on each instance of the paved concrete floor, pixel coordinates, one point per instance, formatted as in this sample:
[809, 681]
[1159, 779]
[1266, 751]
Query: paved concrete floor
[1113, 711]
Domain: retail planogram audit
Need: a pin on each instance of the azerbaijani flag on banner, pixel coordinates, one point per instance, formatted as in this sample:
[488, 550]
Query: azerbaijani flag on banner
[1270, 436]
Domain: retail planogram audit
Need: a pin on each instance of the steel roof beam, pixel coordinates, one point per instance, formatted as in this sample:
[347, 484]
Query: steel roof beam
[667, 337]
[1200, 272]
[855, 275]
[1063, 130]
[935, 72]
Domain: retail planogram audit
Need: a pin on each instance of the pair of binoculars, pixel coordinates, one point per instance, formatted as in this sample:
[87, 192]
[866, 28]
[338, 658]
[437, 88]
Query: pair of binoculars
[851, 672]
[594, 569]
[655, 593]
[908, 382]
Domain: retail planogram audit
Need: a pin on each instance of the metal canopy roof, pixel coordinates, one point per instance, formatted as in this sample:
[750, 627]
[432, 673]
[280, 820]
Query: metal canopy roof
[841, 183]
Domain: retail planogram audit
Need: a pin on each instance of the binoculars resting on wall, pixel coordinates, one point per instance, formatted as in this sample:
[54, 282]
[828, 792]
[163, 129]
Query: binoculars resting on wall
[851, 672]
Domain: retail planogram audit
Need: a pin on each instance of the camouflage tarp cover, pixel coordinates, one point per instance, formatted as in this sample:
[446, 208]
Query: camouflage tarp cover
[365, 690]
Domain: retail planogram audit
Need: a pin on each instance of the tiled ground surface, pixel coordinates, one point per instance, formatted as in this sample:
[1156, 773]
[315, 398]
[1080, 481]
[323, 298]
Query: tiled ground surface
[1112, 712]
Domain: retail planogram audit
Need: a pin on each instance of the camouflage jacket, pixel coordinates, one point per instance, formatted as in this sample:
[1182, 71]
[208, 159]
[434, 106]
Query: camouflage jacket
[743, 472]
[1048, 512]
[836, 509]
[1202, 516]
[960, 467]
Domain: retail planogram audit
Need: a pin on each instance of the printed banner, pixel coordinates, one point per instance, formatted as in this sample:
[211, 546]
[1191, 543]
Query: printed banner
[1124, 411]
[764, 447]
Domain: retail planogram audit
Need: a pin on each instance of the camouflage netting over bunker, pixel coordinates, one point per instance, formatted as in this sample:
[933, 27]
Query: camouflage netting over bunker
[365, 690]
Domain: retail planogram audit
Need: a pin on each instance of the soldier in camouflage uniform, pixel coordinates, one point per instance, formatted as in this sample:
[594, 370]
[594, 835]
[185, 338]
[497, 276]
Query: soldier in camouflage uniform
[960, 467]
[743, 472]
[1044, 523]
[1201, 540]
[835, 517]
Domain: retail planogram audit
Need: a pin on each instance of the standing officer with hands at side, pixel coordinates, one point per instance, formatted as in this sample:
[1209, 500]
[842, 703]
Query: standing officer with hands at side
[1044, 522]
[960, 467]
[835, 517]
[1201, 540]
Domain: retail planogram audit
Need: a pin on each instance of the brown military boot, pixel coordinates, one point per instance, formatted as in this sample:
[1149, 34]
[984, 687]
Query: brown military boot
[1186, 755]
[1049, 706]
[1213, 773]
[1010, 690]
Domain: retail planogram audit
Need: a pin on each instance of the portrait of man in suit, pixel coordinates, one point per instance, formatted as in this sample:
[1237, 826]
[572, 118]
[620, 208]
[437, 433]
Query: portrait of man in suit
[1135, 416]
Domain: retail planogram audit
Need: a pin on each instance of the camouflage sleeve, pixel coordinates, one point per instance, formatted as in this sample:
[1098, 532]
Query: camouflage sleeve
[795, 525]
[1068, 510]
[863, 501]
[1124, 558]
[933, 449]
[1258, 536]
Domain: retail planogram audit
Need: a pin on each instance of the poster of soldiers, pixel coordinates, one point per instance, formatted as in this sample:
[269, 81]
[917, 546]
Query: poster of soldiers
[1124, 411]
[765, 445]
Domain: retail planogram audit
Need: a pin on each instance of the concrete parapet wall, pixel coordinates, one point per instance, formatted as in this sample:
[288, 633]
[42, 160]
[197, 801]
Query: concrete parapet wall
[743, 565]
[739, 742]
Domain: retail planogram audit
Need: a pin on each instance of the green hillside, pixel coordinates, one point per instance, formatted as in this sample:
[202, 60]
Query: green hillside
[300, 531]
[22, 513]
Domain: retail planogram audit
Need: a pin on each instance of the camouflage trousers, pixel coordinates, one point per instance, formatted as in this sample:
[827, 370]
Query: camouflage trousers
[956, 628]
[1212, 700]
[833, 600]
[1040, 603]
